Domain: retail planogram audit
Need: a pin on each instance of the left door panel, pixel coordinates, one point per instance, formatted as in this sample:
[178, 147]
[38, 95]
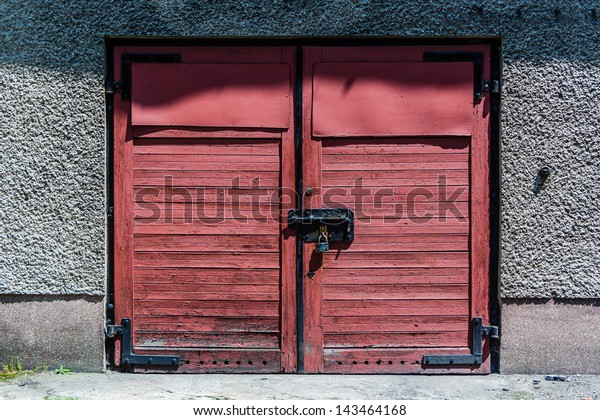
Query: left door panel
[204, 170]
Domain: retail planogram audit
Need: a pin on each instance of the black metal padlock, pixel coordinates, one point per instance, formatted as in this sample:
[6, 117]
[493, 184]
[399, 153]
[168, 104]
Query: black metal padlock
[322, 242]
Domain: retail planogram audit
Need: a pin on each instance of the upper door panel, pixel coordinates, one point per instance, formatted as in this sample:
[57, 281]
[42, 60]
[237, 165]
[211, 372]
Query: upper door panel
[392, 99]
[211, 95]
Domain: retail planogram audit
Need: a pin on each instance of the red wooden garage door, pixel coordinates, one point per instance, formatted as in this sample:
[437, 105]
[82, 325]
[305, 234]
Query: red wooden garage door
[205, 262]
[203, 151]
[403, 144]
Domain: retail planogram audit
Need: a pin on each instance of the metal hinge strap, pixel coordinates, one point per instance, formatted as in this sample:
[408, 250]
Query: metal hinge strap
[128, 357]
[476, 356]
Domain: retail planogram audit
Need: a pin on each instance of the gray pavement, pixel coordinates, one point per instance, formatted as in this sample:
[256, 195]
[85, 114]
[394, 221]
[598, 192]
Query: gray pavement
[115, 385]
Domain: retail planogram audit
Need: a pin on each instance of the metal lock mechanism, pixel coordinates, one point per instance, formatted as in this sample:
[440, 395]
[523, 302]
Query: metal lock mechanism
[322, 241]
[323, 226]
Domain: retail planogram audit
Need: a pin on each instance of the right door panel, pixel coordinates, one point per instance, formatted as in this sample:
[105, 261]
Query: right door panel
[403, 144]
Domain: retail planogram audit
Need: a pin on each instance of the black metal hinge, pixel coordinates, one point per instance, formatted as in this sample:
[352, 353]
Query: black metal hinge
[492, 86]
[124, 85]
[479, 85]
[129, 358]
[476, 356]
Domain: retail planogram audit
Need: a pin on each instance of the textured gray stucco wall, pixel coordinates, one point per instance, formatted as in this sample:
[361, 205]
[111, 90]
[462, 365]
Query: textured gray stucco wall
[52, 123]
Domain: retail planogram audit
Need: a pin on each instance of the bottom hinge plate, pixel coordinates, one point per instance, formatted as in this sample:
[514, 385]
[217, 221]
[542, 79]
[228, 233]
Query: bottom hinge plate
[476, 356]
[128, 357]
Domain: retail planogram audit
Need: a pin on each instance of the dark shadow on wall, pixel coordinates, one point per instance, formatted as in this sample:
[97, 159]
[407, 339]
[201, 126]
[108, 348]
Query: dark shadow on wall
[18, 298]
[552, 301]
[69, 35]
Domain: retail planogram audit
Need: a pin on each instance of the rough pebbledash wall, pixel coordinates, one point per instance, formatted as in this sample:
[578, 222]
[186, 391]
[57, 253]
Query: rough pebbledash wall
[52, 121]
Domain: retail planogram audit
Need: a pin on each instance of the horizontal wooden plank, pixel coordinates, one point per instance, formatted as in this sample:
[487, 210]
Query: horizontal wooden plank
[390, 307]
[206, 259]
[204, 296]
[343, 259]
[424, 242]
[400, 339]
[355, 247]
[204, 229]
[216, 223]
[217, 361]
[200, 196]
[207, 324]
[183, 144]
[190, 158]
[431, 194]
[368, 159]
[411, 220]
[395, 291]
[191, 288]
[397, 229]
[247, 309]
[386, 166]
[383, 275]
[210, 95]
[395, 146]
[396, 259]
[392, 360]
[331, 278]
[215, 208]
[368, 324]
[411, 321]
[172, 179]
[205, 243]
[420, 212]
[199, 215]
[383, 182]
[161, 133]
[209, 276]
[206, 180]
[360, 175]
[214, 308]
[150, 339]
[206, 193]
[214, 165]
[251, 223]
[424, 238]
[249, 215]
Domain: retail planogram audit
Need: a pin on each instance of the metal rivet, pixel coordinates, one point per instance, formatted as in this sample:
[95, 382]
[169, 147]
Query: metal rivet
[309, 191]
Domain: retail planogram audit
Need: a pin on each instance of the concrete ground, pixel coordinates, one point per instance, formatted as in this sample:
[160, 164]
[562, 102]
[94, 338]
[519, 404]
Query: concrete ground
[113, 385]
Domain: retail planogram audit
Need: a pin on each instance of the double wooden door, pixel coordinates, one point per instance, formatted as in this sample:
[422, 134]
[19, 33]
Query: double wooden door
[214, 146]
